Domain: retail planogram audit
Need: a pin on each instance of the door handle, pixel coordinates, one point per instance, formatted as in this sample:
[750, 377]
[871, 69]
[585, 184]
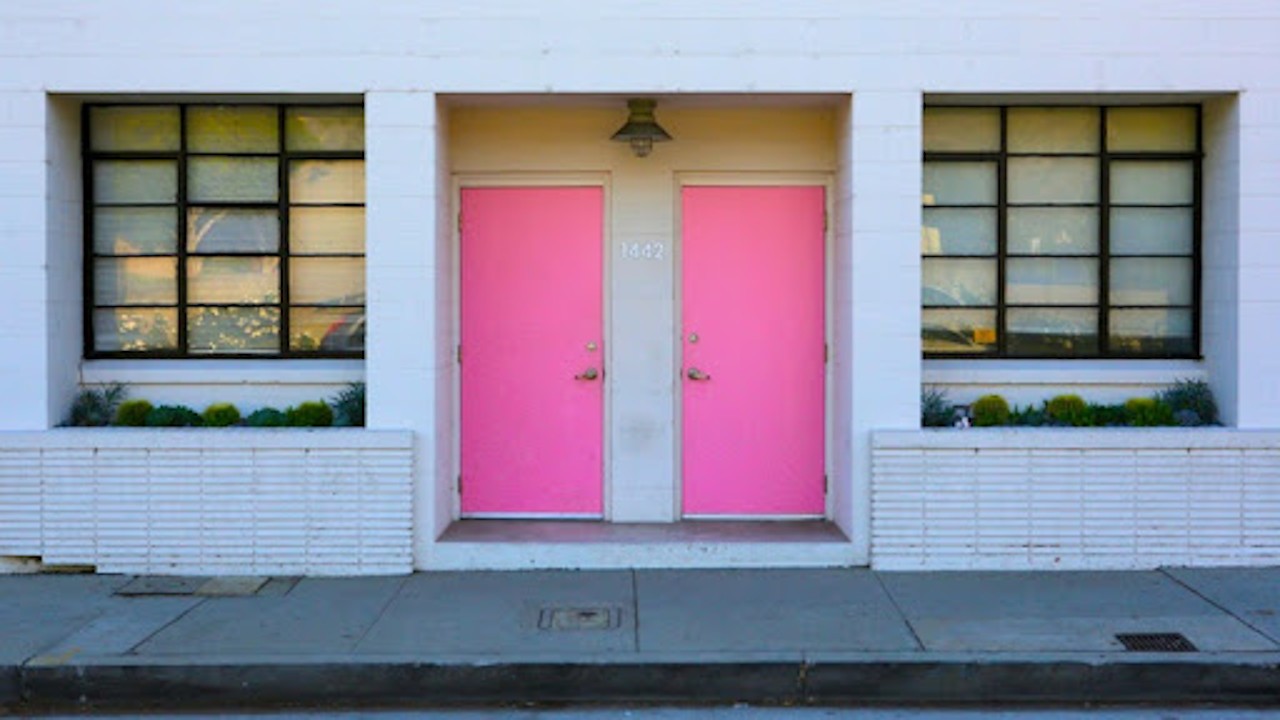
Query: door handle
[697, 375]
[588, 374]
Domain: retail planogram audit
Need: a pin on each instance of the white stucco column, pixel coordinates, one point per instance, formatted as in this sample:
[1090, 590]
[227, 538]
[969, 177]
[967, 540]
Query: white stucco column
[883, 278]
[401, 355]
[40, 229]
[1220, 254]
[1258, 318]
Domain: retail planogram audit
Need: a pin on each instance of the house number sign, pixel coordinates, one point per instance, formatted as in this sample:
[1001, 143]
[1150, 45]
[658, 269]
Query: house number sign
[643, 251]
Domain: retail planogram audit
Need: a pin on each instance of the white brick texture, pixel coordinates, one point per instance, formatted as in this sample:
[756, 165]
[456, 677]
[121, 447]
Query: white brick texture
[224, 502]
[1075, 499]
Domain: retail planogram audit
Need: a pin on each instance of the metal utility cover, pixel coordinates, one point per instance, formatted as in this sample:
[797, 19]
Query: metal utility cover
[580, 618]
[162, 585]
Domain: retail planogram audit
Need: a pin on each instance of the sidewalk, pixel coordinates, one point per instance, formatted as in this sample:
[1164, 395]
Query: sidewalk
[764, 636]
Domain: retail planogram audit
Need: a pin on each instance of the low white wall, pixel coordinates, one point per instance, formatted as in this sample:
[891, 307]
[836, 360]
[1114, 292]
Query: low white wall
[1074, 498]
[210, 502]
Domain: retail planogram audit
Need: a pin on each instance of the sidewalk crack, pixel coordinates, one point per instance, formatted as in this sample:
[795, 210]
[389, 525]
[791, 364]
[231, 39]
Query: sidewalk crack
[391, 597]
[905, 620]
[134, 649]
[1223, 608]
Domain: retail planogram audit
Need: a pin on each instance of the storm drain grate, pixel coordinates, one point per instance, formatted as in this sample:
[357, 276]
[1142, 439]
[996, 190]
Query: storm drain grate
[1155, 642]
[579, 618]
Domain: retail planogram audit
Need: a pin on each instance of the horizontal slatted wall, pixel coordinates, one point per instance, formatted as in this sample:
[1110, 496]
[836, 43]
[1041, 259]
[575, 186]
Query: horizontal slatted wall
[1114, 499]
[327, 502]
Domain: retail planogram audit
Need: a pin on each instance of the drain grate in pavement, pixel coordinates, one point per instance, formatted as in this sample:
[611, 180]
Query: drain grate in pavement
[1155, 642]
[580, 618]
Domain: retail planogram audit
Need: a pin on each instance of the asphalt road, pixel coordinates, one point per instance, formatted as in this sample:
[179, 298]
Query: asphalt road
[743, 713]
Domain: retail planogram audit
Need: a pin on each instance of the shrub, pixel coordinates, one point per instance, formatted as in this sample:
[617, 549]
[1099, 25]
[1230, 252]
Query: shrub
[1148, 412]
[989, 410]
[1109, 415]
[309, 414]
[133, 413]
[220, 415]
[1069, 410]
[1029, 416]
[1191, 402]
[348, 406]
[95, 407]
[265, 417]
[173, 416]
[936, 409]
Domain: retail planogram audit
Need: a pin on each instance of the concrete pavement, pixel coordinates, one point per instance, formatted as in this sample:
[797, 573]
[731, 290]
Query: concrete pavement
[765, 636]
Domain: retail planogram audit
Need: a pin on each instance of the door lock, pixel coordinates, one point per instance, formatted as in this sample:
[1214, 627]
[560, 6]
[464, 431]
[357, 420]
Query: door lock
[697, 375]
[588, 374]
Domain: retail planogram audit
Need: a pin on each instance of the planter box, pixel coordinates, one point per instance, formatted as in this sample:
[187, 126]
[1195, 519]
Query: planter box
[332, 501]
[1074, 498]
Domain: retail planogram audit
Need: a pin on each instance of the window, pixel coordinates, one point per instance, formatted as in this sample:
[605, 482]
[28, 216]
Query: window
[224, 231]
[1066, 232]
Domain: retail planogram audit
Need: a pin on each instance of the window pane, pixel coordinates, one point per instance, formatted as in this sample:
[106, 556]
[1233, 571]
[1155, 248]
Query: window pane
[326, 281]
[1152, 231]
[1053, 130]
[233, 330]
[135, 329]
[219, 230]
[118, 182]
[135, 281]
[1051, 281]
[1053, 231]
[140, 128]
[325, 128]
[135, 231]
[232, 179]
[233, 279]
[229, 129]
[958, 231]
[1151, 332]
[1151, 129]
[961, 129]
[959, 183]
[959, 331]
[1053, 180]
[326, 181]
[1151, 281]
[1166, 182]
[326, 329]
[1052, 331]
[321, 230]
[959, 282]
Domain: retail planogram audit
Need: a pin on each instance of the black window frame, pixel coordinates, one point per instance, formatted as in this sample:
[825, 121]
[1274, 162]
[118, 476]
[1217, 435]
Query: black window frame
[1105, 158]
[284, 157]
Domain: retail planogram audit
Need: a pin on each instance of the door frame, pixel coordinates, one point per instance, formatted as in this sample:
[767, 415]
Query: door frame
[460, 182]
[826, 181]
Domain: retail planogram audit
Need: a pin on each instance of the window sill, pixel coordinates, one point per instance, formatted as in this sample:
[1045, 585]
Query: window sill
[222, 372]
[1061, 372]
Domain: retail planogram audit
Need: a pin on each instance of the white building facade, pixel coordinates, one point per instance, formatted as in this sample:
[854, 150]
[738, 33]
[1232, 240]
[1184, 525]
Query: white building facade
[258, 204]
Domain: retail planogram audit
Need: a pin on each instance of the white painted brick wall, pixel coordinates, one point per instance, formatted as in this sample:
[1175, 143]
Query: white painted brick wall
[224, 502]
[1075, 499]
[403, 56]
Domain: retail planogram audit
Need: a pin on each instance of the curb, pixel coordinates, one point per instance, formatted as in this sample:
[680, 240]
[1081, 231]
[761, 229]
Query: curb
[10, 686]
[176, 687]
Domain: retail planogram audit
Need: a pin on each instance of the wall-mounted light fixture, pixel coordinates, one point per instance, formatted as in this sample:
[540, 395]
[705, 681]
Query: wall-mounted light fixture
[641, 129]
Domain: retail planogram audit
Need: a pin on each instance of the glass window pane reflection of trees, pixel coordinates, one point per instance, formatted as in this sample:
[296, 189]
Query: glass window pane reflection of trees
[258, 251]
[1060, 231]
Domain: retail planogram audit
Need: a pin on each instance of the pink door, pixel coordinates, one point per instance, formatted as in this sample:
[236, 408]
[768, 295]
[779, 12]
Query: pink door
[753, 348]
[532, 351]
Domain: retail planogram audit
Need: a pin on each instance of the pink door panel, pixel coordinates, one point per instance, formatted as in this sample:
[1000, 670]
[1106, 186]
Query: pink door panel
[532, 351]
[753, 351]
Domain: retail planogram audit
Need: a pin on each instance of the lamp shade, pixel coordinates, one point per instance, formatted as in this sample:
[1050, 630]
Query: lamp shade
[641, 130]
